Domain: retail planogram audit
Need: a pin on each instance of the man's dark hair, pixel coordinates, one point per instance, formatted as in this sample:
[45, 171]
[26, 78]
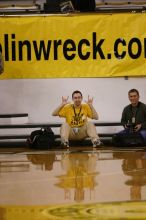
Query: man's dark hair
[133, 90]
[77, 91]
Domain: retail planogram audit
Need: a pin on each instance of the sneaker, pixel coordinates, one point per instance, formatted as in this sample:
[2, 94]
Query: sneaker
[97, 143]
[65, 144]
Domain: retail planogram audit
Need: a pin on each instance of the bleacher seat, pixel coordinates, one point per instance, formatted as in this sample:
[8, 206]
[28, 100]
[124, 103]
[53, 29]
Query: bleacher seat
[19, 139]
[117, 2]
[125, 2]
[121, 6]
[18, 6]
[138, 2]
[99, 2]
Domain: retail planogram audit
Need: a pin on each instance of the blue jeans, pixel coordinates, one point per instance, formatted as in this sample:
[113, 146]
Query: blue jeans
[142, 132]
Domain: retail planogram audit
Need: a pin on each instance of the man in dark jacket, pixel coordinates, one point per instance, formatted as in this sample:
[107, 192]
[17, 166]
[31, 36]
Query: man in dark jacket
[134, 115]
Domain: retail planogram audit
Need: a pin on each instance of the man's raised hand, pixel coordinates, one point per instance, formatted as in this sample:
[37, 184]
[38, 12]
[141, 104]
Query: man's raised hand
[89, 101]
[65, 100]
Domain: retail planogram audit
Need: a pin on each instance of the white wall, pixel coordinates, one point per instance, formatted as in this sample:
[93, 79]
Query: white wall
[39, 97]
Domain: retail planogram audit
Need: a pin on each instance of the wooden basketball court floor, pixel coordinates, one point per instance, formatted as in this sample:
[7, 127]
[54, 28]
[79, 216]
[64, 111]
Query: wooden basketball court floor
[107, 183]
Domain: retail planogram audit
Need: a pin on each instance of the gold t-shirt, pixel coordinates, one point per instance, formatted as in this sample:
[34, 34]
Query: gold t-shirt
[76, 117]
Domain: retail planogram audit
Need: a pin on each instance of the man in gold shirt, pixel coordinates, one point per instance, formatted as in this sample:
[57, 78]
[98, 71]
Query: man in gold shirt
[76, 126]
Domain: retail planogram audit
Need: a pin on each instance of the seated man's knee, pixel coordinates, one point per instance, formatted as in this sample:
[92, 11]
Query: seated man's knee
[143, 134]
[90, 125]
[65, 125]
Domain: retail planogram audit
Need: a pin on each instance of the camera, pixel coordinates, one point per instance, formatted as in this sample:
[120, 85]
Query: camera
[131, 127]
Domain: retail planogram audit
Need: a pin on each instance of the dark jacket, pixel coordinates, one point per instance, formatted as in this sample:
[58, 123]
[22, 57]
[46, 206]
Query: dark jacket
[140, 115]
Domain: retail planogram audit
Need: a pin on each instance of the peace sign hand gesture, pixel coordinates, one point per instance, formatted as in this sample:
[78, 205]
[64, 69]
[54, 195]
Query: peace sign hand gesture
[65, 100]
[90, 100]
[90, 103]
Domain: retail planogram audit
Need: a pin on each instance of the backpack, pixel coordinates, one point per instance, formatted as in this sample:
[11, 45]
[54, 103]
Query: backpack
[128, 139]
[41, 139]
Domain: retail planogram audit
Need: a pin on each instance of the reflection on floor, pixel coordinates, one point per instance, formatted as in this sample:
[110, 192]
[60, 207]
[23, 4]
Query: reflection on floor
[77, 184]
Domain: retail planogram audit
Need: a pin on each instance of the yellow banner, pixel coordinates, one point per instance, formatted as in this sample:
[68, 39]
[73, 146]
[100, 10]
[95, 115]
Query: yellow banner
[85, 45]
